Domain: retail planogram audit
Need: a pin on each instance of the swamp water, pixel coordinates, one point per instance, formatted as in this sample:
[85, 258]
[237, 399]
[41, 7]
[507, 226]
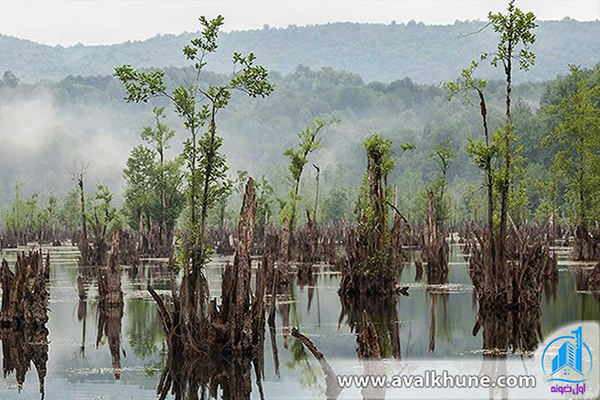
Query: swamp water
[434, 322]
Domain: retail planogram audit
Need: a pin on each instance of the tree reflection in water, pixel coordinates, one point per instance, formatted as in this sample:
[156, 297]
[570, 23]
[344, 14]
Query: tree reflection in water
[434, 295]
[21, 347]
[109, 324]
[516, 331]
[383, 313]
[24, 315]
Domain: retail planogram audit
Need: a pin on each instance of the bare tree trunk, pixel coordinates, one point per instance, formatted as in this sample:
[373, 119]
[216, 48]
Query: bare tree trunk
[236, 279]
[84, 246]
[317, 191]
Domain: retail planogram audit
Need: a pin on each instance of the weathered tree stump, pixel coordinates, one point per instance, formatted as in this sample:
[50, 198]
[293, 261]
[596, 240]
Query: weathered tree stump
[24, 315]
[587, 244]
[24, 293]
[234, 329]
[109, 281]
[435, 247]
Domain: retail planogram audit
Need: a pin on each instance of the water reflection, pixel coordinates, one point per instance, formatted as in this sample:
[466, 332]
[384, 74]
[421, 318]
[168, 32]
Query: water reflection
[24, 315]
[434, 297]
[438, 312]
[504, 331]
[207, 378]
[383, 313]
[109, 326]
[309, 375]
[85, 277]
[20, 348]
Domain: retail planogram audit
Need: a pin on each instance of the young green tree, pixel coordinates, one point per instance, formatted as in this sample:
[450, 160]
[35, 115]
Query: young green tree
[577, 134]
[483, 152]
[309, 142]
[335, 207]
[139, 174]
[515, 32]
[515, 29]
[68, 213]
[198, 105]
[152, 194]
[26, 220]
[442, 155]
[368, 269]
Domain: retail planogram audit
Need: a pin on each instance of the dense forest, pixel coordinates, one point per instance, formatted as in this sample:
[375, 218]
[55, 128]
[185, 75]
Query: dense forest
[424, 53]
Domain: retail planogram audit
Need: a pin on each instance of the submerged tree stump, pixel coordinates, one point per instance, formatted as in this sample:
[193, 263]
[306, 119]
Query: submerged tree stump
[594, 278]
[24, 315]
[368, 270]
[587, 244]
[24, 293]
[110, 303]
[236, 280]
[529, 264]
[109, 281]
[435, 247]
[232, 331]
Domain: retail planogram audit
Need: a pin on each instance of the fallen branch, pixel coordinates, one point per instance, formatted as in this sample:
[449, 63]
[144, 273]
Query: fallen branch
[333, 389]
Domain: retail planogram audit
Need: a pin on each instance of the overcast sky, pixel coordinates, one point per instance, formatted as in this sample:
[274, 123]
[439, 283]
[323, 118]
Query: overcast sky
[106, 22]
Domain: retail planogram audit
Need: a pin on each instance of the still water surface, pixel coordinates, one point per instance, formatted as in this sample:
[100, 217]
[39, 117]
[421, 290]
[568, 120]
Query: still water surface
[80, 364]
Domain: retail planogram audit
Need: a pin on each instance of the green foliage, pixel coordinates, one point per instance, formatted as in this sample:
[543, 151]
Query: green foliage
[516, 37]
[106, 218]
[198, 104]
[496, 156]
[68, 213]
[373, 209]
[140, 195]
[379, 150]
[309, 142]
[25, 218]
[442, 155]
[335, 207]
[152, 178]
[466, 83]
[577, 135]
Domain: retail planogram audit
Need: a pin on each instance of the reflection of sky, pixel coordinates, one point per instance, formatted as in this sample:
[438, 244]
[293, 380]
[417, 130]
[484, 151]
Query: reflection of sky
[72, 376]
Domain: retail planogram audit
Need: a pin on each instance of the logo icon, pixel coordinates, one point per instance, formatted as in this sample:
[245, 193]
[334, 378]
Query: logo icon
[567, 359]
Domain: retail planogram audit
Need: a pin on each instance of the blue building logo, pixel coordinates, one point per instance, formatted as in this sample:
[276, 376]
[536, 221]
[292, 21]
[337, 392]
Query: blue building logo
[573, 361]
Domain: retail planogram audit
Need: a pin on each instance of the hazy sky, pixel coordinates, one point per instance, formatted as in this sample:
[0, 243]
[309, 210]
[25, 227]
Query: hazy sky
[106, 22]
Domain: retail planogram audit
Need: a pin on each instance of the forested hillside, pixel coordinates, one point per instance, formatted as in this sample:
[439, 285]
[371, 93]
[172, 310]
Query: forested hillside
[49, 129]
[385, 53]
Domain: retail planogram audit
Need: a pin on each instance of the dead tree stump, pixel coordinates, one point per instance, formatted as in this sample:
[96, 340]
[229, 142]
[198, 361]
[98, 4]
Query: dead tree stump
[24, 293]
[24, 315]
[236, 279]
[109, 282]
[435, 247]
